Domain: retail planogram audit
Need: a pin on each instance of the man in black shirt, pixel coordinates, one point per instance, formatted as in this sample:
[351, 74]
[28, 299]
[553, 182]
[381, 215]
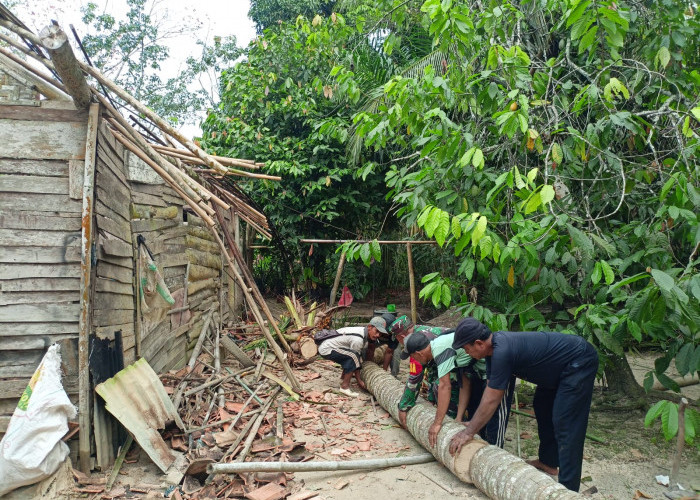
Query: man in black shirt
[563, 367]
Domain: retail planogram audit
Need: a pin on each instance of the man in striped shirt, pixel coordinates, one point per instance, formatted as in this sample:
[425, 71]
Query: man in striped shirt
[471, 376]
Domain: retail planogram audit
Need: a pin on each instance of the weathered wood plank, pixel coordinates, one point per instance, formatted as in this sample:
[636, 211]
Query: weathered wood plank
[43, 140]
[110, 197]
[108, 270]
[40, 255]
[107, 317]
[42, 114]
[35, 313]
[15, 271]
[39, 221]
[111, 224]
[108, 158]
[33, 184]
[15, 237]
[171, 260]
[146, 225]
[107, 175]
[200, 232]
[37, 298]
[26, 342]
[116, 247]
[40, 285]
[50, 328]
[47, 168]
[15, 386]
[105, 137]
[106, 300]
[148, 199]
[126, 262]
[112, 286]
[76, 173]
[36, 202]
[212, 260]
[127, 330]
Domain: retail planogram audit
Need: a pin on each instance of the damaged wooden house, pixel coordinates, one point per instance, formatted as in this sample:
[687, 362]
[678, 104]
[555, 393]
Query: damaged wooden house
[87, 203]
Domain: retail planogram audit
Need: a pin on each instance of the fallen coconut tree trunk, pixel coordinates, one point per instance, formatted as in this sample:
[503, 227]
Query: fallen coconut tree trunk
[372, 464]
[494, 471]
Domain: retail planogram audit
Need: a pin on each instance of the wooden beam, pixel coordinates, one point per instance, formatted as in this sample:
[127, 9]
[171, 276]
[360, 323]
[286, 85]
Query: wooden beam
[336, 282]
[381, 242]
[56, 43]
[412, 284]
[85, 275]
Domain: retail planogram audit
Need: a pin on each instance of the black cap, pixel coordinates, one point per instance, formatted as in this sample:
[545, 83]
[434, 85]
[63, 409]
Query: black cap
[414, 342]
[468, 330]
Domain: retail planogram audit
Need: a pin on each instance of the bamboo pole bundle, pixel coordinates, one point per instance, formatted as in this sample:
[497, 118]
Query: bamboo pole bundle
[186, 155]
[499, 474]
[193, 160]
[51, 89]
[194, 190]
[166, 177]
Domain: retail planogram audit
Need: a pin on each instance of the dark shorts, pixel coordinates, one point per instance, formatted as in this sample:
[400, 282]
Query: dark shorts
[348, 364]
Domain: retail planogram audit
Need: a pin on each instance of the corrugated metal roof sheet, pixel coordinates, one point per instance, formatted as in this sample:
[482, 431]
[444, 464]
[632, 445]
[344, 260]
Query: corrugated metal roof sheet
[137, 398]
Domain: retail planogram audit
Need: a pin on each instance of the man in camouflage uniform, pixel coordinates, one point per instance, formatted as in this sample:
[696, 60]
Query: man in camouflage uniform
[465, 374]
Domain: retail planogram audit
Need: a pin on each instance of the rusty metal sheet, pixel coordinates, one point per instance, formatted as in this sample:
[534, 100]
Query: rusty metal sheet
[136, 397]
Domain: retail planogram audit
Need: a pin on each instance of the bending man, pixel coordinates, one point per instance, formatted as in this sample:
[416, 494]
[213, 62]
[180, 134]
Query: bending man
[563, 367]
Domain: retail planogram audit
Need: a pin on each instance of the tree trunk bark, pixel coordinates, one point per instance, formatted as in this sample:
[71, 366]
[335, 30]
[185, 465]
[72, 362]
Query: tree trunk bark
[621, 379]
[494, 471]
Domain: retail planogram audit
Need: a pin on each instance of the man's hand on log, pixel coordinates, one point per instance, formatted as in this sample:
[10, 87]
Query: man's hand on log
[402, 418]
[362, 385]
[433, 433]
[460, 439]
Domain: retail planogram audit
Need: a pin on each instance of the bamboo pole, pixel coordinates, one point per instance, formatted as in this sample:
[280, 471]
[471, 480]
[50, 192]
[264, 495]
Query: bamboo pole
[177, 397]
[248, 278]
[412, 283]
[194, 190]
[336, 282]
[494, 471]
[186, 155]
[254, 430]
[166, 177]
[256, 312]
[85, 320]
[56, 43]
[371, 464]
[191, 160]
[381, 242]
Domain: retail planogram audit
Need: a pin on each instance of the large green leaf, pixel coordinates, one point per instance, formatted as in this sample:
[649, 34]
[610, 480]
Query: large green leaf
[669, 421]
[654, 412]
[662, 279]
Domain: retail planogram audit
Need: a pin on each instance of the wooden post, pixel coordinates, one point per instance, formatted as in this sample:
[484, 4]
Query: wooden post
[412, 283]
[56, 43]
[336, 283]
[499, 474]
[235, 293]
[84, 393]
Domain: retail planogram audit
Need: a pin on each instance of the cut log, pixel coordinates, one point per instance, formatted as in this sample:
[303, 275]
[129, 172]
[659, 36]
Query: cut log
[494, 471]
[307, 347]
[56, 43]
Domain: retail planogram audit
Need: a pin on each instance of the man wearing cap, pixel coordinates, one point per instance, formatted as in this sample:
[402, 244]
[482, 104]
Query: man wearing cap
[563, 367]
[384, 339]
[440, 351]
[345, 349]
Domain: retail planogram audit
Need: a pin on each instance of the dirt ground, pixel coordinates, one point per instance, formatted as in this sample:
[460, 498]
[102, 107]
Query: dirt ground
[338, 428]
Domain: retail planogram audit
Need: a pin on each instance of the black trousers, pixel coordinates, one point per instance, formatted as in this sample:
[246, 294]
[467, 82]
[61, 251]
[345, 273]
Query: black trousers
[494, 432]
[562, 417]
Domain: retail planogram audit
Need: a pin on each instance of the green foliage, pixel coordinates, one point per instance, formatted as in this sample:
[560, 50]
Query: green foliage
[268, 13]
[558, 164]
[668, 412]
[132, 51]
[367, 252]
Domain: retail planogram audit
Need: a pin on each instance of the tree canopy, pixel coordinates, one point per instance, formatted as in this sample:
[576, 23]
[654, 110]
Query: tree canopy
[550, 148]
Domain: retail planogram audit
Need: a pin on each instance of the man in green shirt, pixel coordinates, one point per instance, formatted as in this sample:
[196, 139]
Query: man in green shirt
[471, 375]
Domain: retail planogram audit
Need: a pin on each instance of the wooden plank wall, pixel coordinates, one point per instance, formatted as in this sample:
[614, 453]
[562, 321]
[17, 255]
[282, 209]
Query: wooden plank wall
[113, 277]
[39, 244]
[175, 243]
